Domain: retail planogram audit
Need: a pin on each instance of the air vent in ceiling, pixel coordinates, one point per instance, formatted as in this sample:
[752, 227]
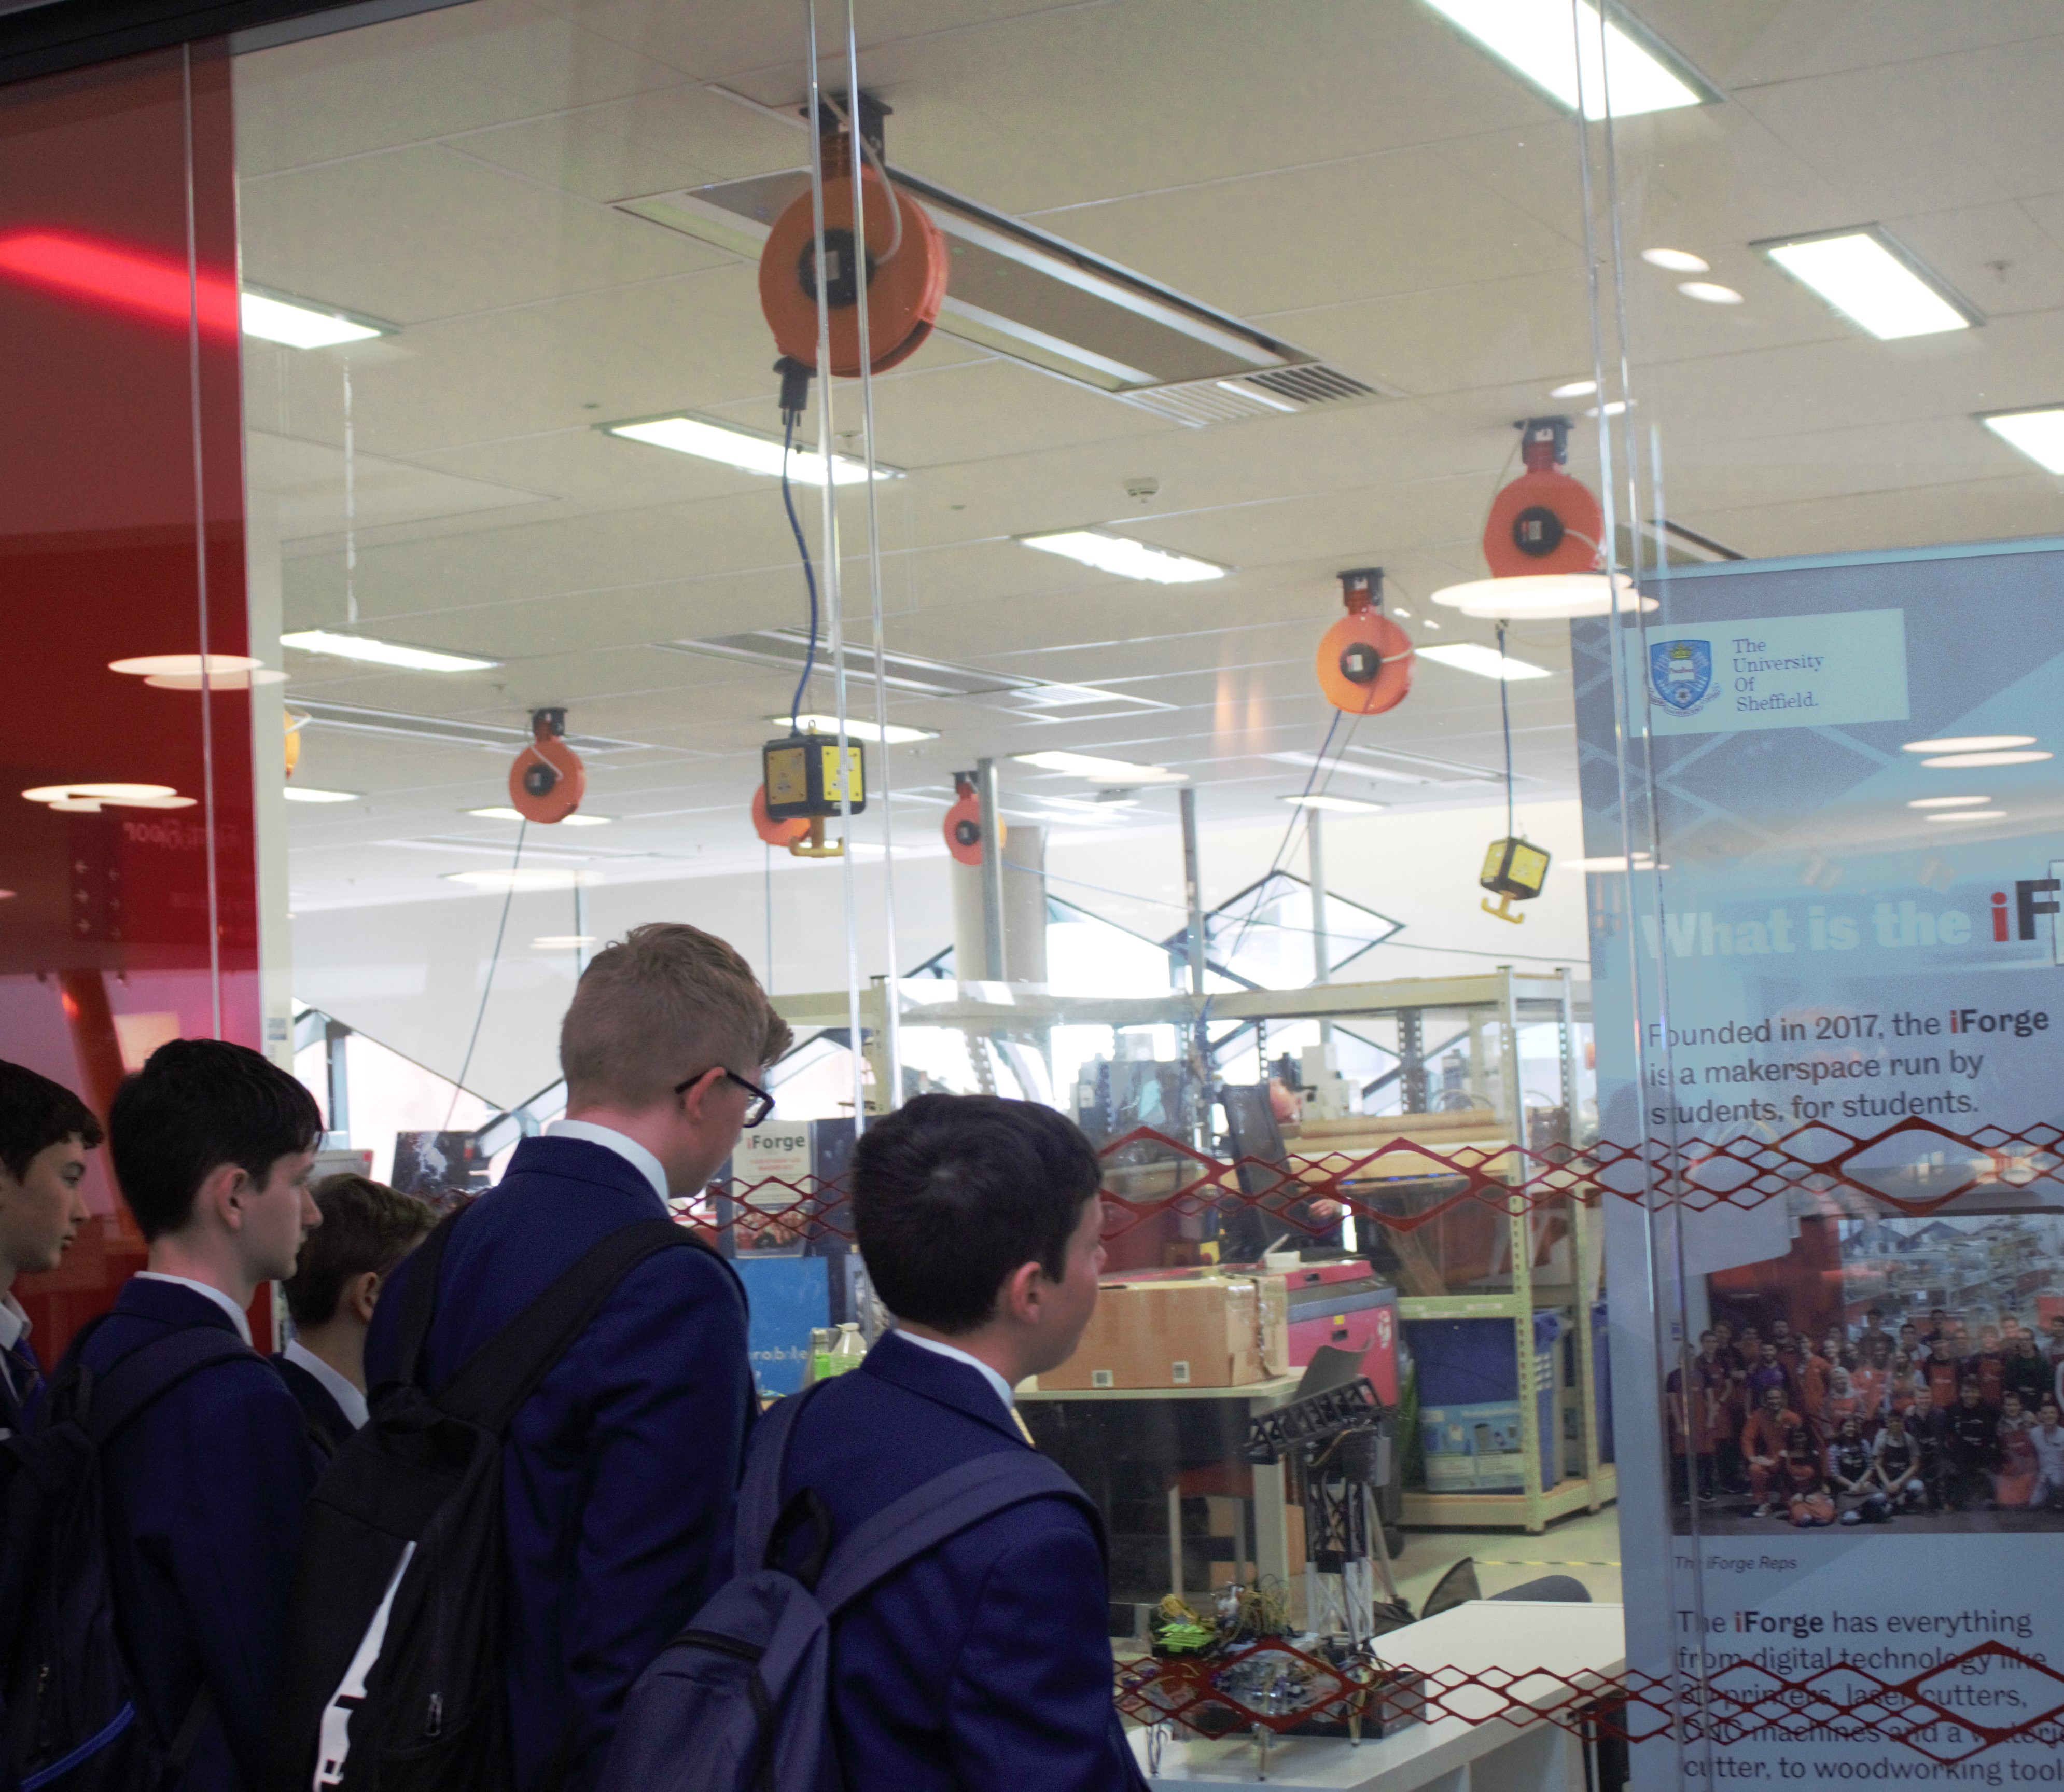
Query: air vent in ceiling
[1016, 290]
[349, 718]
[1273, 393]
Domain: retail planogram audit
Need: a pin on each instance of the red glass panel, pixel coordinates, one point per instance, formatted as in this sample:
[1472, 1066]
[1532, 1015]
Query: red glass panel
[121, 535]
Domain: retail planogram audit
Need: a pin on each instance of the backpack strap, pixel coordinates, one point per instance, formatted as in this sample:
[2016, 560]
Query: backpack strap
[109, 1402]
[766, 1465]
[490, 1386]
[943, 1508]
[419, 1297]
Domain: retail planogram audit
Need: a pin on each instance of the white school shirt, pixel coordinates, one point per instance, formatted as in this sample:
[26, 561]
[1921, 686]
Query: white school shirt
[350, 1402]
[1002, 1388]
[626, 1146]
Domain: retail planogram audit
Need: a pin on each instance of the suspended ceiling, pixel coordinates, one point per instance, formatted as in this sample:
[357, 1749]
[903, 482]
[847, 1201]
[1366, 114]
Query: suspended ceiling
[1349, 176]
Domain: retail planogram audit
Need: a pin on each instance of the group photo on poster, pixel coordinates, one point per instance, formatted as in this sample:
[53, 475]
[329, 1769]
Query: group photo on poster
[1885, 1370]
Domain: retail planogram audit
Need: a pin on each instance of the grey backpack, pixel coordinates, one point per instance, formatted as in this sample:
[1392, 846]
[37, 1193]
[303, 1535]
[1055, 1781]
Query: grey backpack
[739, 1701]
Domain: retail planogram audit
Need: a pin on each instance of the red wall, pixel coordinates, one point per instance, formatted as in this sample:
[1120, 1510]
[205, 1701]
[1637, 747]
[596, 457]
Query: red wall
[121, 535]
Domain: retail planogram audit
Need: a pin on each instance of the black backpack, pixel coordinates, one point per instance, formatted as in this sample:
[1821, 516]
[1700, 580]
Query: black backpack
[740, 1700]
[71, 1717]
[393, 1678]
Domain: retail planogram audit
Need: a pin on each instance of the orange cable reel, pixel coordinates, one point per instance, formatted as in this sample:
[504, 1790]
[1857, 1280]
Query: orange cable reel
[548, 780]
[1365, 660]
[774, 833]
[906, 257]
[962, 826]
[1544, 521]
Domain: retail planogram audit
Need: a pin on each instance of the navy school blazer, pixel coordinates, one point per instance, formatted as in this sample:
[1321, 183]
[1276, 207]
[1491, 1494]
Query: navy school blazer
[327, 1426]
[204, 1493]
[985, 1666]
[620, 1472]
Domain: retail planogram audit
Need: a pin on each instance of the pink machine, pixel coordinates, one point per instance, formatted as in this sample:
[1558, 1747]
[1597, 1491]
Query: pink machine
[1343, 1304]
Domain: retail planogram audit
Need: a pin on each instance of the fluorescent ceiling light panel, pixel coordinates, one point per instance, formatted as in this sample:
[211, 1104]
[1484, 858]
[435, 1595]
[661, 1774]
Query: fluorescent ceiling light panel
[309, 794]
[382, 653]
[1708, 291]
[1574, 389]
[350, 718]
[1970, 743]
[563, 943]
[1485, 662]
[1325, 800]
[523, 877]
[1126, 557]
[1541, 596]
[1113, 771]
[1977, 761]
[747, 449]
[1536, 37]
[1949, 802]
[295, 325]
[500, 812]
[1872, 281]
[1678, 261]
[1971, 815]
[2039, 434]
[895, 734]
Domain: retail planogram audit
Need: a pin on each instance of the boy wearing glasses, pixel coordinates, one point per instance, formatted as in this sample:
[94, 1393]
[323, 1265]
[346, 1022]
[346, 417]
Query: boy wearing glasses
[619, 1472]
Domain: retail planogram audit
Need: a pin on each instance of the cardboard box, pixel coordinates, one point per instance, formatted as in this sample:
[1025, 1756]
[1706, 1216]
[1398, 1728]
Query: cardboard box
[1194, 1328]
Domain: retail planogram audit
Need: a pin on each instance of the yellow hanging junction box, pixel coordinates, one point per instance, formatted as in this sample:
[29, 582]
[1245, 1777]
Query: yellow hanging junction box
[808, 774]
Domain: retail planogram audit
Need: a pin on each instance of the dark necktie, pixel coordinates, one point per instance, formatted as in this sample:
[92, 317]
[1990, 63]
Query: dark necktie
[23, 1377]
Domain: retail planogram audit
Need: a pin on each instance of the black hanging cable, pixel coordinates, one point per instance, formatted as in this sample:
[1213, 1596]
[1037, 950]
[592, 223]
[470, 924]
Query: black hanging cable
[810, 578]
[1505, 720]
[487, 988]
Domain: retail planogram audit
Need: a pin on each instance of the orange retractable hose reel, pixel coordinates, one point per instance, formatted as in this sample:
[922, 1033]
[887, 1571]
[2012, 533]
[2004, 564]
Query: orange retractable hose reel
[548, 780]
[906, 265]
[1365, 660]
[1544, 521]
[962, 825]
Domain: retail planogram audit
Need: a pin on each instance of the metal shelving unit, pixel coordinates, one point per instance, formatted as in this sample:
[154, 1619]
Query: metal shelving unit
[1503, 999]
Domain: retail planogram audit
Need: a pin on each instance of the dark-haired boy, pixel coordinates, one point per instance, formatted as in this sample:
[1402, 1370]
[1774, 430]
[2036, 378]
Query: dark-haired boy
[984, 1665]
[46, 1132]
[367, 1228]
[203, 1492]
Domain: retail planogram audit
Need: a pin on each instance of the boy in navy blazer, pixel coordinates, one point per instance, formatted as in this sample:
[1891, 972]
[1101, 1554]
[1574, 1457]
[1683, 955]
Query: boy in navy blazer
[46, 1132]
[367, 1228]
[212, 1145]
[985, 1666]
[620, 1472]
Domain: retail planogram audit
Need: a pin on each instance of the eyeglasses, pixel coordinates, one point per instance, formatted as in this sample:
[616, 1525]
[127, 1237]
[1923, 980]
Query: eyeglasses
[762, 1105]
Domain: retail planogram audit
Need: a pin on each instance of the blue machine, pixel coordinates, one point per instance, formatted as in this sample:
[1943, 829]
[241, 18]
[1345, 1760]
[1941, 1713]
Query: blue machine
[789, 1296]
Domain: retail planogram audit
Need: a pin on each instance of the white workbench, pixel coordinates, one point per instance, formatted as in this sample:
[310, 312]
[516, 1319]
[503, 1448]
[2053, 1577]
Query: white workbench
[1583, 1643]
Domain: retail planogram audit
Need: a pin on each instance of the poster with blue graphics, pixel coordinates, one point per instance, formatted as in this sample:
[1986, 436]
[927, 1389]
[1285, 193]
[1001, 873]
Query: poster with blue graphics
[1832, 989]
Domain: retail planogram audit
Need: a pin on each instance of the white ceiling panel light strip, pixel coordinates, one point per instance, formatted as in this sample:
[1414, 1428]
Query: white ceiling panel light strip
[1870, 278]
[1125, 557]
[1587, 59]
[749, 450]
